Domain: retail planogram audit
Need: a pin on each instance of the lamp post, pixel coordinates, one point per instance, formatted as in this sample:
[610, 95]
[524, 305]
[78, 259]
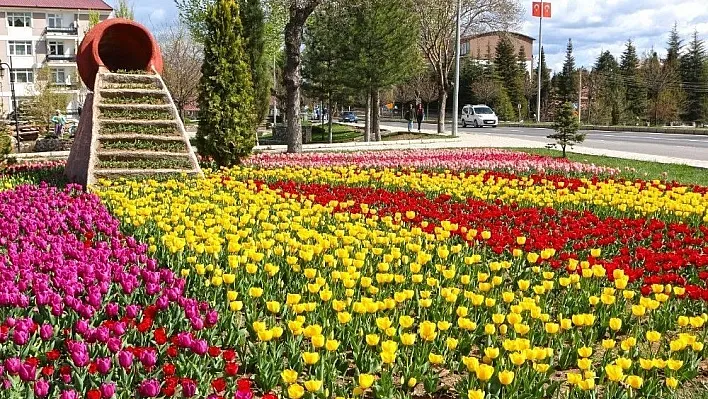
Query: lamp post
[456, 99]
[14, 99]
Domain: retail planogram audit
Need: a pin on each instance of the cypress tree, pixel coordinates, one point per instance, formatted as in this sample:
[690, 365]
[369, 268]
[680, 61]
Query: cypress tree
[635, 89]
[226, 122]
[252, 20]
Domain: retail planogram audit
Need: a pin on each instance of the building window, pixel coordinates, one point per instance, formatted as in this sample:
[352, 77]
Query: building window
[20, 47]
[23, 75]
[56, 48]
[465, 48]
[59, 76]
[19, 19]
[54, 21]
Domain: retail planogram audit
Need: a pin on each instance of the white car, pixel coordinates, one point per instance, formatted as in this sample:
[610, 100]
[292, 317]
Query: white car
[479, 116]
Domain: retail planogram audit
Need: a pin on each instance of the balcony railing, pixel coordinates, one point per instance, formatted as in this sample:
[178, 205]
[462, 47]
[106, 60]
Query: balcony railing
[70, 31]
[64, 86]
[61, 57]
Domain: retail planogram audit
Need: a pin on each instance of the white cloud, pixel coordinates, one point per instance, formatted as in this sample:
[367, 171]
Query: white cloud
[596, 26]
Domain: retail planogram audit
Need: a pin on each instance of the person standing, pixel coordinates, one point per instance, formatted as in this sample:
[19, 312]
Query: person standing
[59, 121]
[409, 117]
[419, 115]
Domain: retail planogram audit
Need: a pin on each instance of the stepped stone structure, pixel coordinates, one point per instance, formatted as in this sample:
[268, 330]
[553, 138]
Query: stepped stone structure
[129, 126]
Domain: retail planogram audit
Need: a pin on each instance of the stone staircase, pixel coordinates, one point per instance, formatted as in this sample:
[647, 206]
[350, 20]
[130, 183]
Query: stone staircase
[135, 131]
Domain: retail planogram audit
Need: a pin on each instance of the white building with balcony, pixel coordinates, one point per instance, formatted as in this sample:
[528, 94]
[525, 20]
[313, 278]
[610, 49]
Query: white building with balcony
[39, 33]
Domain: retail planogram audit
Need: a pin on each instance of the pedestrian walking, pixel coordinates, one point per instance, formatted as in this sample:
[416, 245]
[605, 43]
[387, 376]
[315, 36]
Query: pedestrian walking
[59, 121]
[419, 115]
[409, 117]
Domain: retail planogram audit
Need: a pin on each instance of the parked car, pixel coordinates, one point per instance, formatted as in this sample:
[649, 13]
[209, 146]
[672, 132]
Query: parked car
[479, 116]
[348, 117]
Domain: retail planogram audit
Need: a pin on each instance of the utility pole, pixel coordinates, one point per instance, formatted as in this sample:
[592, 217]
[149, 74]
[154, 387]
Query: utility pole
[456, 100]
[275, 98]
[580, 95]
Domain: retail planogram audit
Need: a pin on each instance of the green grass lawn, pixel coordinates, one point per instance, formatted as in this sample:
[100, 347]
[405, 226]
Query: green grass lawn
[348, 134]
[634, 169]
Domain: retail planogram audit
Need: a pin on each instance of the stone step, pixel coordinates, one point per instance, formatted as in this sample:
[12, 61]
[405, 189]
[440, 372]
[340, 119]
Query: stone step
[150, 107]
[146, 173]
[118, 92]
[111, 77]
[131, 155]
[163, 122]
[146, 137]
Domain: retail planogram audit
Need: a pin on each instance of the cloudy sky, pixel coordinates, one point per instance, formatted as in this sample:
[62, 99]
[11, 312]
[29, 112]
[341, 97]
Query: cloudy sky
[594, 25]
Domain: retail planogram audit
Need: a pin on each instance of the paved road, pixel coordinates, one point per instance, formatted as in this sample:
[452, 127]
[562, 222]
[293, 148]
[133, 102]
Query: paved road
[671, 145]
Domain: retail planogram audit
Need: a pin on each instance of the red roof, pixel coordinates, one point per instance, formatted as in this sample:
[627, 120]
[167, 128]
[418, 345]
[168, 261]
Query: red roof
[61, 4]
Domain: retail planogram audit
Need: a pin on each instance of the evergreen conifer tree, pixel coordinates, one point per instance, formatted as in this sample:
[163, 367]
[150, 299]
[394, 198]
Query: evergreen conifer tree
[566, 80]
[226, 122]
[510, 74]
[252, 20]
[635, 89]
[694, 73]
[566, 126]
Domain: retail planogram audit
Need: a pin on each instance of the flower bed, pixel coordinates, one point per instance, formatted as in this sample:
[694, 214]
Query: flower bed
[341, 281]
[386, 291]
[456, 160]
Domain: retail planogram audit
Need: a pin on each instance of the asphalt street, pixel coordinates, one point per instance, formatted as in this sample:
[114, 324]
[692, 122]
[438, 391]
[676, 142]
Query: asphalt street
[665, 144]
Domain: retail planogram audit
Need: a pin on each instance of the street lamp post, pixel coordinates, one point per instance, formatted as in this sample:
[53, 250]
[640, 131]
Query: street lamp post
[456, 99]
[14, 100]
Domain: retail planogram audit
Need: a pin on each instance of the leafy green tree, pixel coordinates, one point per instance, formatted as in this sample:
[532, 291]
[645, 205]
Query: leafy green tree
[694, 73]
[566, 126]
[323, 62]
[566, 81]
[635, 90]
[226, 122]
[252, 20]
[383, 53]
[124, 10]
[45, 99]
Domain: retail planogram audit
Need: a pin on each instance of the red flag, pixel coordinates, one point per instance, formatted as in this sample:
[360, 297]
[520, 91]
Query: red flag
[546, 10]
[536, 9]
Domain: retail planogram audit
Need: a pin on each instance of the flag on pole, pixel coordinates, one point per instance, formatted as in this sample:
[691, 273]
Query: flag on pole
[546, 10]
[536, 10]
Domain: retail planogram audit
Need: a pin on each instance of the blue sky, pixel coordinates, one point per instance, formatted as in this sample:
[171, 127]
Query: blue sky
[594, 25]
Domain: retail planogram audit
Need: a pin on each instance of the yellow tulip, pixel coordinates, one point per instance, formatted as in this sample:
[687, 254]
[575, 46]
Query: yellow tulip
[674, 364]
[313, 385]
[318, 341]
[366, 381]
[406, 321]
[273, 306]
[491, 353]
[506, 377]
[614, 373]
[310, 358]
[615, 324]
[653, 336]
[372, 339]
[584, 364]
[585, 351]
[344, 317]
[388, 357]
[475, 394]
[634, 381]
[451, 343]
[296, 391]
[427, 331]
[672, 382]
[484, 372]
[289, 376]
[435, 359]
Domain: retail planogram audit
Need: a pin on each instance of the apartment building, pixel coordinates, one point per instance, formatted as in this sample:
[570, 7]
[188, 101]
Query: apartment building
[483, 46]
[39, 33]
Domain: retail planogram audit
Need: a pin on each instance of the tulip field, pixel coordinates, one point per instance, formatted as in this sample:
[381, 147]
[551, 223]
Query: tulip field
[400, 274]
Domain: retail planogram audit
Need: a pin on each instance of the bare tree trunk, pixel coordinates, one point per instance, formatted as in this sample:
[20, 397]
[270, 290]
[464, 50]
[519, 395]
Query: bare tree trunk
[375, 115]
[442, 100]
[292, 80]
[367, 118]
[330, 114]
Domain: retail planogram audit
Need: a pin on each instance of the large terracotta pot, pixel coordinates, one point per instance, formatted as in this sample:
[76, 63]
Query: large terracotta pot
[116, 44]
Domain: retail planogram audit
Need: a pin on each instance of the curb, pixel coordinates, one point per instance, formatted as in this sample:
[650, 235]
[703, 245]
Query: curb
[634, 129]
